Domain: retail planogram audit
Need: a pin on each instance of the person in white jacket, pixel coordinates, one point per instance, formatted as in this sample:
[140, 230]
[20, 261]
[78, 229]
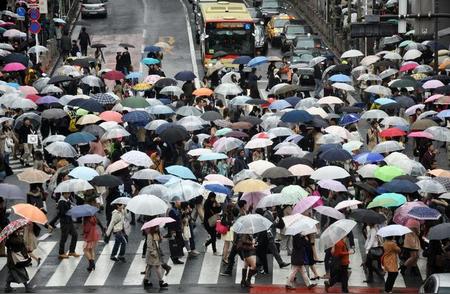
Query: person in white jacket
[117, 227]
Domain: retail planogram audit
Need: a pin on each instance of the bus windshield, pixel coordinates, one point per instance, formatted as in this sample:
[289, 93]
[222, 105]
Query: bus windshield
[232, 41]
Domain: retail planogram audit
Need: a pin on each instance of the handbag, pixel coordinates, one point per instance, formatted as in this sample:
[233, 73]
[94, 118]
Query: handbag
[221, 229]
[32, 139]
[212, 220]
[376, 251]
[176, 249]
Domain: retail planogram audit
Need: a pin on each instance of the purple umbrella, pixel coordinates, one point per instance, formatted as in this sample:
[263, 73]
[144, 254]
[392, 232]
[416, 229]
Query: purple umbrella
[401, 213]
[305, 204]
[253, 198]
[47, 100]
[332, 185]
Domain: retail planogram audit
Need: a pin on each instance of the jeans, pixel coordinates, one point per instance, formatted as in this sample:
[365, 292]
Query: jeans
[66, 230]
[390, 280]
[120, 241]
[318, 88]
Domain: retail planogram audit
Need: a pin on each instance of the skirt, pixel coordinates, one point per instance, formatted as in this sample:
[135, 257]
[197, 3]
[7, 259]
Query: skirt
[90, 244]
[228, 236]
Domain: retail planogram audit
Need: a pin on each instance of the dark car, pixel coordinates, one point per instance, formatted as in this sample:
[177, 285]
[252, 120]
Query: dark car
[302, 56]
[270, 8]
[290, 32]
[261, 43]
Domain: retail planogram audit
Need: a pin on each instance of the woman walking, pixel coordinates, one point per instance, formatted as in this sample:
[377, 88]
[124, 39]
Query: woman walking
[117, 227]
[91, 237]
[390, 262]
[31, 242]
[246, 246]
[339, 268]
[299, 245]
[212, 209]
[227, 221]
[153, 257]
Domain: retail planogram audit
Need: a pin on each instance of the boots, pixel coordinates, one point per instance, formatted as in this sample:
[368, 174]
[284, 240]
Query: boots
[244, 278]
[166, 267]
[251, 273]
[91, 266]
[162, 284]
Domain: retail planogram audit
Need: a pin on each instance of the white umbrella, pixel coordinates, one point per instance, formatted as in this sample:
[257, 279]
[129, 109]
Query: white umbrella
[73, 185]
[146, 174]
[352, 53]
[91, 159]
[188, 111]
[307, 103]
[393, 230]
[412, 54]
[343, 86]
[410, 167]
[336, 232]
[185, 189]
[227, 78]
[260, 166]
[301, 170]
[251, 224]
[317, 111]
[271, 201]
[258, 143]
[270, 122]
[369, 77]
[53, 138]
[227, 144]
[374, 114]
[51, 89]
[394, 157]
[431, 186]
[280, 132]
[427, 114]
[388, 73]
[392, 56]
[291, 150]
[370, 59]
[199, 151]
[339, 131]
[394, 121]
[245, 174]
[300, 225]
[387, 147]
[64, 100]
[61, 149]
[137, 158]
[439, 133]
[330, 100]
[115, 133]
[23, 104]
[379, 90]
[37, 49]
[220, 179]
[145, 204]
[121, 200]
[347, 203]
[192, 123]
[316, 60]
[158, 190]
[92, 81]
[329, 211]
[171, 90]
[227, 89]
[367, 170]
[109, 125]
[330, 172]
[329, 139]
[154, 124]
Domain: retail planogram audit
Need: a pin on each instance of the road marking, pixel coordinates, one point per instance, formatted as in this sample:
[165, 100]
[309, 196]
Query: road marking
[279, 275]
[176, 273]
[133, 276]
[239, 267]
[103, 267]
[209, 273]
[357, 275]
[191, 44]
[141, 65]
[65, 269]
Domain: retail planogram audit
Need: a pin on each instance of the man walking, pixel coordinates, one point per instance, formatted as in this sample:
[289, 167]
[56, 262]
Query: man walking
[84, 40]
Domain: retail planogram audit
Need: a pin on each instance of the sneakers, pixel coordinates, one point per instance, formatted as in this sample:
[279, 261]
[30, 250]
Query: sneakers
[63, 256]
[74, 254]
[225, 273]
[163, 285]
[122, 259]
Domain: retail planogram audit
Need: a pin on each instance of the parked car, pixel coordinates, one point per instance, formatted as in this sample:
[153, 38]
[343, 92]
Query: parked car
[275, 26]
[261, 43]
[290, 31]
[436, 283]
[93, 8]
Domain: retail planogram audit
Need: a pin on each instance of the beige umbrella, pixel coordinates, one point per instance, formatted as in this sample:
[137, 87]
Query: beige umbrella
[370, 59]
[88, 119]
[31, 176]
[301, 170]
[251, 185]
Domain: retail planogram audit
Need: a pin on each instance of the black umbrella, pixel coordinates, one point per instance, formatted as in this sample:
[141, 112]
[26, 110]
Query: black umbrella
[443, 78]
[211, 116]
[439, 232]
[404, 101]
[106, 181]
[349, 109]
[291, 161]
[391, 107]
[276, 172]
[82, 62]
[404, 83]
[407, 177]
[341, 68]
[366, 187]
[98, 46]
[318, 122]
[16, 57]
[442, 90]
[95, 130]
[53, 113]
[256, 101]
[251, 119]
[59, 79]
[87, 104]
[367, 216]
[165, 82]
[126, 45]
[174, 134]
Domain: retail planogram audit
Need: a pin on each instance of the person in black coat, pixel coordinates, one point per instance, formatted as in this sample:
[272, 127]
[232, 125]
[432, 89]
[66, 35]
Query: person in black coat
[211, 208]
[299, 244]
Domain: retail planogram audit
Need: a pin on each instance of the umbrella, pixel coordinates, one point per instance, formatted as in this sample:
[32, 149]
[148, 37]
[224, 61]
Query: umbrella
[401, 213]
[393, 230]
[212, 156]
[245, 174]
[271, 201]
[181, 171]
[301, 224]
[258, 143]
[352, 53]
[276, 173]
[400, 186]
[30, 212]
[329, 173]
[47, 100]
[188, 111]
[330, 212]
[367, 216]
[343, 86]
[106, 181]
[335, 232]
[392, 132]
[387, 147]
[135, 102]
[251, 185]
[115, 133]
[330, 100]
[12, 227]
[138, 117]
[73, 185]
[332, 185]
[104, 98]
[14, 66]
[31, 176]
[423, 124]
[61, 149]
[114, 75]
[158, 190]
[146, 174]
[145, 204]
[185, 189]
[347, 203]
[174, 134]
[79, 138]
[227, 89]
[388, 172]
[439, 133]
[185, 75]
[171, 91]
[333, 155]
[340, 78]
[424, 213]
[251, 224]
[305, 204]
[257, 61]
[388, 200]
[95, 130]
[292, 194]
[218, 188]
[379, 90]
[87, 104]
[253, 198]
[82, 211]
[84, 173]
[91, 159]
[439, 232]
[412, 54]
[296, 116]
[227, 144]
[157, 221]
[431, 186]
[211, 116]
[220, 179]
[88, 119]
[300, 170]
[368, 157]
[368, 170]
[242, 60]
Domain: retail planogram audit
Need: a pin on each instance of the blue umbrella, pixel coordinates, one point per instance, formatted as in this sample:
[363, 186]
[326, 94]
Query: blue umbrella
[212, 156]
[348, 119]
[293, 100]
[383, 101]
[424, 213]
[217, 188]
[164, 127]
[181, 171]
[257, 61]
[79, 138]
[133, 75]
[82, 211]
[14, 85]
[138, 117]
[152, 48]
[444, 114]
[335, 155]
[150, 61]
[244, 59]
[84, 173]
[163, 179]
[185, 75]
[297, 116]
[400, 186]
[279, 104]
[340, 78]
[368, 157]
[326, 147]
[47, 100]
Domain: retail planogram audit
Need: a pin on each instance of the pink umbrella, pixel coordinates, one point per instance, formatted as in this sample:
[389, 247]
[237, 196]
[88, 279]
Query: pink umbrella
[332, 185]
[253, 198]
[221, 179]
[115, 166]
[14, 66]
[157, 221]
[432, 84]
[111, 116]
[433, 98]
[28, 90]
[408, 67]
[420, 134]
[347, 203]
[151, 79]
[412, 110]
[401, 213]
[305, 204]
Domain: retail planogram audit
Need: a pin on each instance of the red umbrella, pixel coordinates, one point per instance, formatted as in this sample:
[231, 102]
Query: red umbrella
[114, 75]
[408, 67]
[392, 132]
[33, 97]
[12, 227]
[420, 134]
[14, 66]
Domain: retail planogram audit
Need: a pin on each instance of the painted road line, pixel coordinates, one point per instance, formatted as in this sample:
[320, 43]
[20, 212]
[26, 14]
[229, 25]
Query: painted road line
[209, 273]
[65, 269]
[103, 266]
[138, 265]
[357, 275]
[176, 273]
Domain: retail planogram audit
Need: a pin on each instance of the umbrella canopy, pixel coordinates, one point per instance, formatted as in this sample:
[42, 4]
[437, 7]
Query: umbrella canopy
[251, 224]
[83, 172]
[158, 190]
[106, 181]
[91, 159]
[32, 176]
[11, 192]
[30, 212]
[73, 185]
[333, 155]
[61, 149]
[79, 138]
[305, 204]
[347, 204]
[145, 204]
[352, 53]
[431, 186]
[157, 221]
[393, 230]
[329, 211]
[336, 232]
[439, 232]
[137, 158]
[12, 227]
[301, 170]
[301, 225]
[329, 173]
[251, 185]
[185, 190]
[146, 174]
[387, 200]
[424, 213]
[276, 173]
[400, 186]
[332, 185]
[82, 211]
[181, 172]
[367, 216]
[387, 147]
[292, 194]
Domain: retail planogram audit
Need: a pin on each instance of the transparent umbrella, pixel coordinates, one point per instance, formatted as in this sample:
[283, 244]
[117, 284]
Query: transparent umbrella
[336, 232]
[251, 224]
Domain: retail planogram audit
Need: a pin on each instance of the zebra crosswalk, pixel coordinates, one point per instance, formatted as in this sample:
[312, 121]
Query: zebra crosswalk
[16, 166]
[201, 270]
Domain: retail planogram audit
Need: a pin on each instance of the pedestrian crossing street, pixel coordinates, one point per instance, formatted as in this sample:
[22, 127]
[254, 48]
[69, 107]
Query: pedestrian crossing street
[201, 270]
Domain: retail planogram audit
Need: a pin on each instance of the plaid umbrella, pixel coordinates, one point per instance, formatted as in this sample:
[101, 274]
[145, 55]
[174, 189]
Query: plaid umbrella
[12, 227]
[104, 98]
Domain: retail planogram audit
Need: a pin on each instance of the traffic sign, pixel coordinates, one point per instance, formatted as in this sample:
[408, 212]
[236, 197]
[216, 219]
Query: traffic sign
[34, 13]
[21, 11]
[35, 27]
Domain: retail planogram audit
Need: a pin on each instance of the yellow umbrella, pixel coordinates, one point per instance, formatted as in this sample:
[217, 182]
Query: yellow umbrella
[31, 176]
[251, 185]
[419, 76]
[88, 119]
[142, 87]
[30, 212]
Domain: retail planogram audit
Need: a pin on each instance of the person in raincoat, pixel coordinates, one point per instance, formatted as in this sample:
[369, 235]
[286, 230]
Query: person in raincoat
[390, 262]
[153, 258]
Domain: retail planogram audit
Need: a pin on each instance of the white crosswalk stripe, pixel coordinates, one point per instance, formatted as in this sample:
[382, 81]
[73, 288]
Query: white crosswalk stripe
[64, 272]
[16, 166]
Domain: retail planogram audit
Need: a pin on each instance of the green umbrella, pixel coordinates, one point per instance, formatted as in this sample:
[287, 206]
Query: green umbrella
[387, 200]
[223, 132]
[388, 172]
[405, 43]
[293, 193]
[135, 102]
